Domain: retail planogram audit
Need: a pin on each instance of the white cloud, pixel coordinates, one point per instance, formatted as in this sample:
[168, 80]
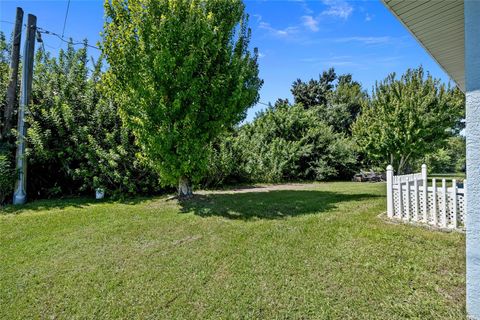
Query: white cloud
[305, 6]
[359, 62]
[310, 22]
[335, 61]
[257, 17]
[365, 40]
[337, 8]
[278, 32]
[368, 17]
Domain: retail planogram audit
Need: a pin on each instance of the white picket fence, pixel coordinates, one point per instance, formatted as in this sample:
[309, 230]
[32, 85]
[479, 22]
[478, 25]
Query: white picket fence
[411, 198]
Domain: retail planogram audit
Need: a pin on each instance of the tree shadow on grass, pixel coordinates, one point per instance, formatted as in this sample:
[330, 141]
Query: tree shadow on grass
[51, 204]
[276, 204]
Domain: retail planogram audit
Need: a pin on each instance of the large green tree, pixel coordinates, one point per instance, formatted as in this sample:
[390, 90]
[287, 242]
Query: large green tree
[182, 74]
[408, 118]
[344, 104]
[338, 99]
[314, 92]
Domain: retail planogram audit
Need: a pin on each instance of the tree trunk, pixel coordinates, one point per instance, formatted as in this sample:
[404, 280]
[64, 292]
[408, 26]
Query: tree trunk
[400, 165]
[184, 188]
[403, 162]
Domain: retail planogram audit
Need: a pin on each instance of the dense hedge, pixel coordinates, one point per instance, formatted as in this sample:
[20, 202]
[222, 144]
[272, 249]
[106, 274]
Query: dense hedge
[282, 144]
[292, 143]
[76, 141]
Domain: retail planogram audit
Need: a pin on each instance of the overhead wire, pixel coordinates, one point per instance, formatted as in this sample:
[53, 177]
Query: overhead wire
[265, 104]
[62, 38]
[71, 41]
[18, 35]
[65, 20]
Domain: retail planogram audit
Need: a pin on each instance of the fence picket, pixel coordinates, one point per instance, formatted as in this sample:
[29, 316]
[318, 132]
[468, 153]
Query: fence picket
[444, 203]
[408, 199]
[425, 192]
[465, 196]
[415, 191]
[400, 200]
[390, 205]
[434, 201]
[454, 203]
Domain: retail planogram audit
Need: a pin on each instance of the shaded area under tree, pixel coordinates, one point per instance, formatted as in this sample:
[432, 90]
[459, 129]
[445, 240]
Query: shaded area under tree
[277, 204]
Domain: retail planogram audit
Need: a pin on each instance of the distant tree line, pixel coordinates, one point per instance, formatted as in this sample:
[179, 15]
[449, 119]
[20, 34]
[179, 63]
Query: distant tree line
[82, 134]
[334, 128]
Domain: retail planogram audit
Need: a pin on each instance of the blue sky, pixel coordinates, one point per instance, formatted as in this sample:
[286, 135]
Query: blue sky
[296, 39]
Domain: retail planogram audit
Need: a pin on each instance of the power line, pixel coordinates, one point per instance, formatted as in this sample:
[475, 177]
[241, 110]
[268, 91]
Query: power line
[65, 21]
[41, 30]
[265, 104]
[62, 38]
[18, 35]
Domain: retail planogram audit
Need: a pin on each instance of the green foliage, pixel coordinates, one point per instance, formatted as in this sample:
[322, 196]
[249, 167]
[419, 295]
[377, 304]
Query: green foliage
[344, 104]
[449, 158]
[315, 92]
[182, 74]
[169, 107]
[338, 99]
[75, 136]
[291, 143]
[4, 76]
[223, 163]
[407, 118]
[307, 141]
[6, 147]
[6, 178]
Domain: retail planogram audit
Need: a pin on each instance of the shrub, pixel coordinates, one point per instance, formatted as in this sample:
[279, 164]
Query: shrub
[76, 139]
[6, 178]
[449, 158]
[223, 164]
[292, 143]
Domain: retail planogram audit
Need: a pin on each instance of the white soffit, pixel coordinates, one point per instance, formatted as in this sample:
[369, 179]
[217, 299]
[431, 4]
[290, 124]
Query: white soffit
[439, 27]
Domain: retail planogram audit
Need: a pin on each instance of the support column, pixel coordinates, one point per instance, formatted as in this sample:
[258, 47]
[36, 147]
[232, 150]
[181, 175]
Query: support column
[472, 89]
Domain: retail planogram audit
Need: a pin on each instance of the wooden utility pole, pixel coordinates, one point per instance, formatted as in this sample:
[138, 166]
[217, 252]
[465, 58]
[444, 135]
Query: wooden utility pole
[12, 85]
[20, 195]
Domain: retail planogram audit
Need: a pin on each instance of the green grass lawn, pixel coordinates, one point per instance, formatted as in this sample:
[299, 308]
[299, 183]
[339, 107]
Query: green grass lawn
[318, 252]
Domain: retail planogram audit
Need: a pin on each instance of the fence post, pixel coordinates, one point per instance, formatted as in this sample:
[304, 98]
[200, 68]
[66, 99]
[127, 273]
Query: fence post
[400, 199]
[434, 201]
[454, 203]
[465, 195]
[390, 191]
[415, 191]
[424, 171]
[444, 203]
[408, 201]
[425, 192]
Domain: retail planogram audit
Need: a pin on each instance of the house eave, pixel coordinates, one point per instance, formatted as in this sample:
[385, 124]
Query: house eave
[432, 21]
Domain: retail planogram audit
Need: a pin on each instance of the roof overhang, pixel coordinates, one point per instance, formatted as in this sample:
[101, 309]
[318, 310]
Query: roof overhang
[438, 25]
